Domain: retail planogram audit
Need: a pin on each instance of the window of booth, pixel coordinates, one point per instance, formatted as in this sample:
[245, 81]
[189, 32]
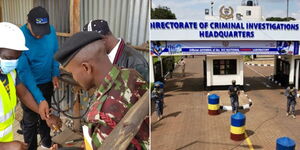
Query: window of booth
[224, 66]
[248, 12]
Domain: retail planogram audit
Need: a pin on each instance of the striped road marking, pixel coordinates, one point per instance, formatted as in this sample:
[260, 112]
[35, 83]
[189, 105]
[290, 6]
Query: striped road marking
[249, 142]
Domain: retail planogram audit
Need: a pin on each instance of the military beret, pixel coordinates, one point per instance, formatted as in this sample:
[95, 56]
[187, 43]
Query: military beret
[74, 44]
[100, 26]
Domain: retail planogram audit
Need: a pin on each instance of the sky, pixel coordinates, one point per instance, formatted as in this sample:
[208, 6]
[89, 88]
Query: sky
[194, 9]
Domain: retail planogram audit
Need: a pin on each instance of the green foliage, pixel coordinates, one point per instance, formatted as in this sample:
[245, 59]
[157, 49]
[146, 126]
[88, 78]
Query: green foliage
[247, 58]
[167, 63]
[162, 12]
[151, 86]
[280, 19]
[176, 58]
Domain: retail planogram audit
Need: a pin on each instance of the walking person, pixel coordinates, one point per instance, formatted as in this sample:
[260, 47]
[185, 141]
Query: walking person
[182, 64]
[157, 96]
[234, 92]
[291, 94]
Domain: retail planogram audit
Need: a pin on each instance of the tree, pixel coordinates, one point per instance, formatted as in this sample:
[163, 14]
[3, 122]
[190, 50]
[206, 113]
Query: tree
[162, 12]
[280, 19]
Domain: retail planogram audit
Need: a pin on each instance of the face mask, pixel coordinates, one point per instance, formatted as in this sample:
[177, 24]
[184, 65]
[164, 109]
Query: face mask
[8, 65]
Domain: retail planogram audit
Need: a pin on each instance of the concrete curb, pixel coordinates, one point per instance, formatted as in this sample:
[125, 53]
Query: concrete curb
[245, 106]
[261, 65]
[271, 78]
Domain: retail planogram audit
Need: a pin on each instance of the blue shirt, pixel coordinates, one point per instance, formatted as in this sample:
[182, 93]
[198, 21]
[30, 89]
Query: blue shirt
[37, 65]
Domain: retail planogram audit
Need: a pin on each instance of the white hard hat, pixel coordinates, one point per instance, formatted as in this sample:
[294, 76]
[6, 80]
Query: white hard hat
[11, 37]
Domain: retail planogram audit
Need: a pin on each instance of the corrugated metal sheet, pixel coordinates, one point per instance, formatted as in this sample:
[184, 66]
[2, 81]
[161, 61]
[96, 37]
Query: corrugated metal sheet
[15, 11]
[127, 18]
[59, 13]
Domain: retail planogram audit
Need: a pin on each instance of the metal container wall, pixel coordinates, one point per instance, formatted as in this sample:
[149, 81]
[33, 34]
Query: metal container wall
[127, 19]
[15, 11]
[59, 14]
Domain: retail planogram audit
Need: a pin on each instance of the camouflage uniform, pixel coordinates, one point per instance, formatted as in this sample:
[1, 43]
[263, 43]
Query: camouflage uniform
[291, 94]
[157, 96]
[114, 97]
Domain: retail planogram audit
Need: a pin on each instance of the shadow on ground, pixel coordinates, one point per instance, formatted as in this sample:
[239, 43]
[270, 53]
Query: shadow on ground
[297, 112]
[158, 123]
[174, 114]
[155, 125]
[168, 95]
[244, 111]
[249, 132]
[179, 75]
[263, 86]
[185, 85]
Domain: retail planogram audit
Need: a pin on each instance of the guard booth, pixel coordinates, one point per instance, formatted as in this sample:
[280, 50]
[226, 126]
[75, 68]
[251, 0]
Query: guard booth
[225, 43]
[220, 70]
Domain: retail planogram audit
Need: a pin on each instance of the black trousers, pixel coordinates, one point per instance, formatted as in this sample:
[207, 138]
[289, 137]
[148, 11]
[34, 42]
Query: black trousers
[291, 103]
[32, 123]
[159, 106]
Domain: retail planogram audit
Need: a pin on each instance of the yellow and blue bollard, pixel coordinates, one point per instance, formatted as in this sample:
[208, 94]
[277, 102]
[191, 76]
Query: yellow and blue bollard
[285, 143]
[213, 104]
[237, 129]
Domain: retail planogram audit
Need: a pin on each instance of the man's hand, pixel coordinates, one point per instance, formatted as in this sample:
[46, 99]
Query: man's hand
[55, 82]
[44, 110]
[54, 147]
[54, 122]
[14, 145]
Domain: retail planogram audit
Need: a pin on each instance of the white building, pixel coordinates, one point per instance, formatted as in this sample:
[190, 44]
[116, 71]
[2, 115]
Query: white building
[249, 10]
[222, 69]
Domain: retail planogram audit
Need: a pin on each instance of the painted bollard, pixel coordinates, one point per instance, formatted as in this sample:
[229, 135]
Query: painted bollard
[285, 143]
[213, 104]
[237, 129]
